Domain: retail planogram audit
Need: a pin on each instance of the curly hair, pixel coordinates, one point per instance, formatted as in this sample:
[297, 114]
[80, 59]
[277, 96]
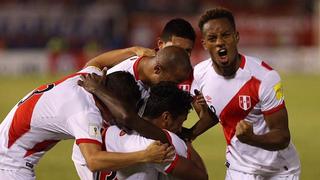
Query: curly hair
[166, 96]
[216, 13]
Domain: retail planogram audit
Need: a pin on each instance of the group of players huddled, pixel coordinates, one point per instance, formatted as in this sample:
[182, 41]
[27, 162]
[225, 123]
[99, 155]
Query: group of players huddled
[125, 109]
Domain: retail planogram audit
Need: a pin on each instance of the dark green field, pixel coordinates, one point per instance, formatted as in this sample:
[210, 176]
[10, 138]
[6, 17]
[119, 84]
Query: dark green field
[302, 98]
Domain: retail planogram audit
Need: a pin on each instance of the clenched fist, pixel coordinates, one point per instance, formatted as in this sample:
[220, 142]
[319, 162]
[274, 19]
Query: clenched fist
[244, 131]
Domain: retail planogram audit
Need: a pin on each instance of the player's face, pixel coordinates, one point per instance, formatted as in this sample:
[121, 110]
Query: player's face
[175, 125]
[221, 39]
[186, 44]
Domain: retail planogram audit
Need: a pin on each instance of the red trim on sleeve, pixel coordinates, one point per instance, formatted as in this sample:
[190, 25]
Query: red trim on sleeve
[135, 68]
[172, 165]
[92, 141]
[273, 110]
[266, 66]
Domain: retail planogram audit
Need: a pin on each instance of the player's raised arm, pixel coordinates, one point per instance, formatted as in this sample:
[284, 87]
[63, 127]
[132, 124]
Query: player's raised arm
[207, 118]
[112, 58]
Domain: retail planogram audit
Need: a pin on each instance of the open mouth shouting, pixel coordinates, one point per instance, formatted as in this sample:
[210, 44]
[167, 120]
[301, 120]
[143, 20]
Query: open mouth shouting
[223, 58]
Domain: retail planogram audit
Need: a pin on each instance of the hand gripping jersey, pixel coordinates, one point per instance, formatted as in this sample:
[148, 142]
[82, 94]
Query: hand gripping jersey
[253, 92]
[50, 113]
[116, 140]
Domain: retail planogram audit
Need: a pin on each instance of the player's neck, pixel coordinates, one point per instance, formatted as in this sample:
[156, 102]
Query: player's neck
[228, 72]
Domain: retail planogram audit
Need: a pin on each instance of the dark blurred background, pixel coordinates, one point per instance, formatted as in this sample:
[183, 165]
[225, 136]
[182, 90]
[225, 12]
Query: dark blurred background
[61, 35]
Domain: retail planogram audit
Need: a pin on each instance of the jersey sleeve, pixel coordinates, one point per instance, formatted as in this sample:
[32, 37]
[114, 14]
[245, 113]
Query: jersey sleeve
[181, 150]
[86, 127]
[271, 93]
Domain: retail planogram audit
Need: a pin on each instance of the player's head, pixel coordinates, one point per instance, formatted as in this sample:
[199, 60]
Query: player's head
[124, 87]
[168, 106]
[220, 38]
[177, 32]
[171, 63]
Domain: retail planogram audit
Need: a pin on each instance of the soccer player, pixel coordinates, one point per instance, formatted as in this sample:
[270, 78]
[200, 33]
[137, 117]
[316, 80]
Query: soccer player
[179, 32]
[167, 107]
[63, 110]
[247, 96]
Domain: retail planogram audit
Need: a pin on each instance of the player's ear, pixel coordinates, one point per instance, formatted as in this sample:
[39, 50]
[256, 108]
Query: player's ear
[166, 117]
[204, 44]
[237, 36]
[160, 43]
[157, 69]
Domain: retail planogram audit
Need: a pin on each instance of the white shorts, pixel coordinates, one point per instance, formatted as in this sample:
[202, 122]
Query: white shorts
[237, 175]
[22, 174]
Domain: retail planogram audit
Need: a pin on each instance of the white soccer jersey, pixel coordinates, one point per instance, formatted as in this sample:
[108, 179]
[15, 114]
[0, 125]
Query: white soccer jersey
[254, 91]
[50, 113]
[117, 140]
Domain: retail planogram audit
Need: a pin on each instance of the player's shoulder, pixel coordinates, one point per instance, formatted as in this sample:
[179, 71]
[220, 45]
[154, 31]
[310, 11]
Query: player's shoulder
[202, 67]
[258, 68]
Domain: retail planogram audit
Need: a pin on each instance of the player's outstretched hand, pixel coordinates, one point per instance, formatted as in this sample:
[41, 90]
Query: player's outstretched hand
[92, 82]
[159, 153]
[244, 131]
[141, 51]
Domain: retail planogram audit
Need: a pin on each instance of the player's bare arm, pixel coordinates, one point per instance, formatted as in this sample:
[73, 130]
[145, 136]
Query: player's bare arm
[112, 58]
[276, 139]
[196, 158]
[207, 118]
[122, 112]
[100, 160]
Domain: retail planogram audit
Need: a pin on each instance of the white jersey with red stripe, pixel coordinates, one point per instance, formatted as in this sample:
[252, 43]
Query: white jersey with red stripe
[117, 140]
[255, 91]
[50, 113]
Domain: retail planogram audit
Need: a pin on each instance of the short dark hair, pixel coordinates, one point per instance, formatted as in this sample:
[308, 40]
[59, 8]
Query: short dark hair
[166, 96]
[216, 13]
[124, 87]
[178, 27]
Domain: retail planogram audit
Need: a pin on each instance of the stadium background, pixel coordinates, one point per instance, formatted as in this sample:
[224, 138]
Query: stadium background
[42, 40]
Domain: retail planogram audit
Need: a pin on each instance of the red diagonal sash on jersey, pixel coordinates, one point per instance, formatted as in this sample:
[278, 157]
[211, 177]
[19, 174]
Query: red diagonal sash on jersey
[22, 117]
[238, 108]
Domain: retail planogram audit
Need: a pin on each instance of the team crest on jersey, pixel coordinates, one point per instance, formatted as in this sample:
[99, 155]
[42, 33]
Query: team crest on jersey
[184, 87]
[244, 102]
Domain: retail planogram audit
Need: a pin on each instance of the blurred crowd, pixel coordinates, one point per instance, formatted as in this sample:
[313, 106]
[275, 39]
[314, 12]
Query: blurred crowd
[84, 28]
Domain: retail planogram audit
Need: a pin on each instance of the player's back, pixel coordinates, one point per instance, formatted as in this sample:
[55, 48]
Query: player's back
[117, 140]
[40, 120]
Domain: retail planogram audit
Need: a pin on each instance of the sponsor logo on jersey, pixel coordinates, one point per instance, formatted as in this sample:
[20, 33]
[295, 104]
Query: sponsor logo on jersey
[278, 90]
[244, 102]
[208, 99]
